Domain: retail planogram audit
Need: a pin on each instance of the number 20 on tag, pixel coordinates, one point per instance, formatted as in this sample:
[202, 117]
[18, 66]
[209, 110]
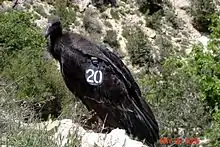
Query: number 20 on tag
[94, 77]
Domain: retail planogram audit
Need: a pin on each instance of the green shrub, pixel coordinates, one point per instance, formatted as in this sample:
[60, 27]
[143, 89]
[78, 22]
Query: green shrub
[175, 96]
[40, 10]
[111, 39]
[115, 14]
[23, 46]
[185, 91]
[166, 48]
[215, 30]
[138, 46]
[91, 22]
[172, 19]
[1, 1]
[154, 21]
[207, 68]
[213, 133]
[149, 6]
[26, 136]
[202, 10]
[66, 11]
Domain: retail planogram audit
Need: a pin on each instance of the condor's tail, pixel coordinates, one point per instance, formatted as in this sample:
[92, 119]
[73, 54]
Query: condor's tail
[141, 123]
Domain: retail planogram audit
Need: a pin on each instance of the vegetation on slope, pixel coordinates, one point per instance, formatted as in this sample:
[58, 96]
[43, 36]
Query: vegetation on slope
[202, 11]
[22, 48]
[185, 90]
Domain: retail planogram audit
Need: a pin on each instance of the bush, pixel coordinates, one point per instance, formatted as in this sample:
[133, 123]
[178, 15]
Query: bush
[149, 6]
[23, 46]
[138, 46]
[202, 11]
[213, 132]
[111, 39]
[154, 21]
[20, 135]
[175, 96]
[66, 11]
[207, 67]
[185, 92]
[91, 22]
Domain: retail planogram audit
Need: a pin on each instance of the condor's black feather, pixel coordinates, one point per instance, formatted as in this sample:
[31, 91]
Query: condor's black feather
[117, 100]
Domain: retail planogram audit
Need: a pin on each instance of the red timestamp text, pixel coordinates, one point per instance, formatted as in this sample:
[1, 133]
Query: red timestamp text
[178, 141]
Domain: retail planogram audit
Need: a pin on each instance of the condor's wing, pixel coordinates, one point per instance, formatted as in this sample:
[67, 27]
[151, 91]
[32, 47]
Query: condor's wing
[118, 62]
[134, 90]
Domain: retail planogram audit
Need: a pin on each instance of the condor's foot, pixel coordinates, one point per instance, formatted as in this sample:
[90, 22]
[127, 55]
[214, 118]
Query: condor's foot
[97, 125]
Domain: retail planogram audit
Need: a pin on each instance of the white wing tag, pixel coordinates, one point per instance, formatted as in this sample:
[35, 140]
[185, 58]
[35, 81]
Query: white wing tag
[94, 75]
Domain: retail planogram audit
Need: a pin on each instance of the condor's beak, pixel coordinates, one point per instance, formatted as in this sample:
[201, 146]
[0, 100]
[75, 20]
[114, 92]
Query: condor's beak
[46, 34]
[48, 31]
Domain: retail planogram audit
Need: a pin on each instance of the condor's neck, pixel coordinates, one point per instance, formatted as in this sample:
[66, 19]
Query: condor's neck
[53, 46]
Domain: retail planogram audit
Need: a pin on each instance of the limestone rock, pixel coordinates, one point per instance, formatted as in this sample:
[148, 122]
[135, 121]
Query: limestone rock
[116, 138]
[82, 4]
[7, 5]
[182, 4]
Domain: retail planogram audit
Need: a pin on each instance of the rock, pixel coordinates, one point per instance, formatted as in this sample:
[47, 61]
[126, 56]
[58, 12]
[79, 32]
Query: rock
[66, 127]
[93, 25]
[116, 138]
[7, 5]
[47, 56]
[204, 40]
[151, 33]
[107, 13]
[44, 8]
[182, 4]
[82, 4]
[42, 23]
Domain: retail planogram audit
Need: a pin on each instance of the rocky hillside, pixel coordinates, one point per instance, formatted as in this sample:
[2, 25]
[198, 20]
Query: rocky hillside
[171, 26]
[155, 38]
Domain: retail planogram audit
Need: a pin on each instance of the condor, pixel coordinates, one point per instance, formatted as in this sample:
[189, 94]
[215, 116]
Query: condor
[102, 82]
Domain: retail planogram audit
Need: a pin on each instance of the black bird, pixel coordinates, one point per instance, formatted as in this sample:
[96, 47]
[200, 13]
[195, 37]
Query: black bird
[103, 83]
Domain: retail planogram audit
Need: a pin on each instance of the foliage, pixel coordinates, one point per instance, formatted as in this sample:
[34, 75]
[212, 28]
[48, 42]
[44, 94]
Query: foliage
[111, 39]
[202, 10]
[213, 132]
[1, 1]
[22, 46]
[13, 25]
[185, 90]
[138, 46]
[114, 14]
[40, 10]
[175, 96]
[172, 18]
[149, 6]
[207, 68]
[66, 11]
[215, 29]
[154, 21]
[25, 136]
[166, 48]
[91, 22]
[211, 81]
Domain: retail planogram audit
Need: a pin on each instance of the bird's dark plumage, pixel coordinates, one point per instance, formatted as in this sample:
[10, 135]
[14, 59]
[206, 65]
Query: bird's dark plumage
[104, 84]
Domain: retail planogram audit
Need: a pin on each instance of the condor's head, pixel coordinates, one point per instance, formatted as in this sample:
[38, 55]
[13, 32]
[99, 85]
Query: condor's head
[53, 34]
